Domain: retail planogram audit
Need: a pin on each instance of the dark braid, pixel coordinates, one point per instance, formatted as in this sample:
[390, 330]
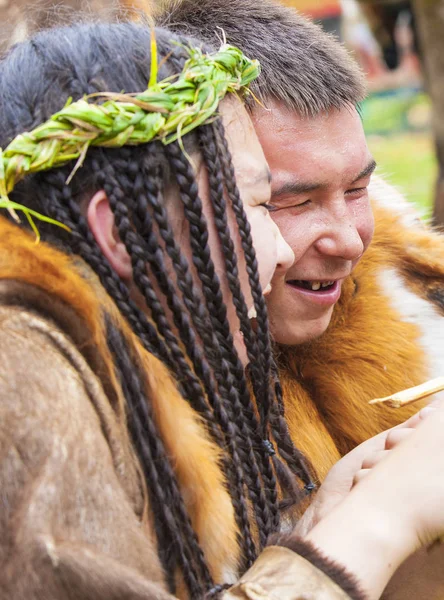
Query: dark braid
[280, 433]
[167, 504]
[293, 457]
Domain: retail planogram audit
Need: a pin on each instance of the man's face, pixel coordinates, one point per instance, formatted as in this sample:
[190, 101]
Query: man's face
[320, 168]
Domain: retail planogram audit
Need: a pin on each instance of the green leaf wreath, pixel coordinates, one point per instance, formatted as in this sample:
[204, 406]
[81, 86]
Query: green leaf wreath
[165, 111]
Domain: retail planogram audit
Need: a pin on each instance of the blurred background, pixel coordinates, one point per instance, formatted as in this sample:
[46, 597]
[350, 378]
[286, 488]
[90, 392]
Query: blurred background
[400, 46]
[389, 40]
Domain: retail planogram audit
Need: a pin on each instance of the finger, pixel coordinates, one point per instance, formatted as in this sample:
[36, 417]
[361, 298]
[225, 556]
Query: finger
[396, 437]
[437, 400]
[419, 417]
[370, 461]
[360, 475]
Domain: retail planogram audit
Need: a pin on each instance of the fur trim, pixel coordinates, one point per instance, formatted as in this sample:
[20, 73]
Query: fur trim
[333, 570]
[195, 457]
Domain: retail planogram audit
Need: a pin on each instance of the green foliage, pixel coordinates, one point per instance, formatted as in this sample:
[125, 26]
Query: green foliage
[408, 161]
[397, 124]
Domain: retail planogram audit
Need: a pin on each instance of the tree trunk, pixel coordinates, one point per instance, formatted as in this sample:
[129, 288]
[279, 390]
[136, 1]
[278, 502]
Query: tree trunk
[430, 21]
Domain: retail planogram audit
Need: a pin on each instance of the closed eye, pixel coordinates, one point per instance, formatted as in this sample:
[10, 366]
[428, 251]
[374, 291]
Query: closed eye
[356, 191]
[273, 208]
[269, 207]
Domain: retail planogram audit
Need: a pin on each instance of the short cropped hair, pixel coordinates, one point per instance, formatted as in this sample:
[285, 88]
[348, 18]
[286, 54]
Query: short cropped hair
[302, 66]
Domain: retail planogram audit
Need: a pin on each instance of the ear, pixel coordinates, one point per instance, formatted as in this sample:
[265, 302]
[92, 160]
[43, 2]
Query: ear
[101, 222]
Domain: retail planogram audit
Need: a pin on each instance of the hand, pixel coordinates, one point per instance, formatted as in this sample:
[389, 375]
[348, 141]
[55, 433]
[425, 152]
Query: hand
[352, 468]
[387, 516]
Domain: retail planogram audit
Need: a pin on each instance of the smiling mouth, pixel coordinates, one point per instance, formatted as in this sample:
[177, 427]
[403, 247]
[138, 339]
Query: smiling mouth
[313, 286]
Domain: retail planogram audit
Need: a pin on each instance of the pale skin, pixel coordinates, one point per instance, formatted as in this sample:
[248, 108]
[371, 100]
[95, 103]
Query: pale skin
[394, 511]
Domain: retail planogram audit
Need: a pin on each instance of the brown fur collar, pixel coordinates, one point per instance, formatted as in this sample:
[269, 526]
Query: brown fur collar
[195, 458]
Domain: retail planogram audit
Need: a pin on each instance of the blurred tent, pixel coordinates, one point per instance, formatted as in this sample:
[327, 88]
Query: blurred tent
[383, 18]
[19, 18]
[326, 12]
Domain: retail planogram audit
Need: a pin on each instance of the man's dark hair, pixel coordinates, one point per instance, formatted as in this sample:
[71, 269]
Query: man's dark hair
[302, 66]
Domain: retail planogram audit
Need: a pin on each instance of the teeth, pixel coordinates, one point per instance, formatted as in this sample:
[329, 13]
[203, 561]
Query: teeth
[317, 285]
[267, 290]
[252, 314]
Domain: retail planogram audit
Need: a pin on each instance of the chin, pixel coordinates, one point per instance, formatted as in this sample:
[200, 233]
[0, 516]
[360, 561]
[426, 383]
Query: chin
[293, 335]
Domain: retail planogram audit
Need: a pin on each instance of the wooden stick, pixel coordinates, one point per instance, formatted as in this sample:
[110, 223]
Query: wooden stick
[413, 394]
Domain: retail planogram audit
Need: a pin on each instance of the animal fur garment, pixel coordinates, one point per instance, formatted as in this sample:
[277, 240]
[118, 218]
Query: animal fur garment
[75, 504]
[56, 287]
[386, 334]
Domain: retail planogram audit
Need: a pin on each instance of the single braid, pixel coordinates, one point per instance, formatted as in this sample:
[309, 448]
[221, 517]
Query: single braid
[166, 499]
[289, 452]
[280, 433]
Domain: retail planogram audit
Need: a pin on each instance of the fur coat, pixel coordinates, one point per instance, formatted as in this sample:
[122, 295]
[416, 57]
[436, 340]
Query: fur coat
[386, 334]
[75, 520]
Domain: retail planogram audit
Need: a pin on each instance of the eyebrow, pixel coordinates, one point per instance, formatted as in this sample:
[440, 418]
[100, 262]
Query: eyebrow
[301, 187]
[366, 171]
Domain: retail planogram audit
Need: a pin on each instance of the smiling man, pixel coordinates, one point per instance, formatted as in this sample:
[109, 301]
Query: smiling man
[322, 208]
[349, 321]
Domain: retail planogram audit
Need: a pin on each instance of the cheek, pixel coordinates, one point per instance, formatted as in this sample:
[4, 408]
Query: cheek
[365, 224]
[263, 234]
[298, 231]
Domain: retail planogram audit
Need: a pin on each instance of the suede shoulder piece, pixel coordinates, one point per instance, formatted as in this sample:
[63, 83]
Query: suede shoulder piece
[280, 573]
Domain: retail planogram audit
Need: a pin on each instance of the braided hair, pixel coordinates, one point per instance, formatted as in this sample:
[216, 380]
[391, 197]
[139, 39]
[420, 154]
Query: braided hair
[192, 335]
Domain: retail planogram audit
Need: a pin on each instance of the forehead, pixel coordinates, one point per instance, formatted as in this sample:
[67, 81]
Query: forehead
[247, 153]
[327, 146]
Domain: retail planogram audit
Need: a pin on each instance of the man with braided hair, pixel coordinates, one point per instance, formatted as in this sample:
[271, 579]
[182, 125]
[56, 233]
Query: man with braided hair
[352, 320]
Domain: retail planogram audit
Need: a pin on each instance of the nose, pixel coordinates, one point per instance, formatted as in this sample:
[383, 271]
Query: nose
[340, 238]
[284, 254]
